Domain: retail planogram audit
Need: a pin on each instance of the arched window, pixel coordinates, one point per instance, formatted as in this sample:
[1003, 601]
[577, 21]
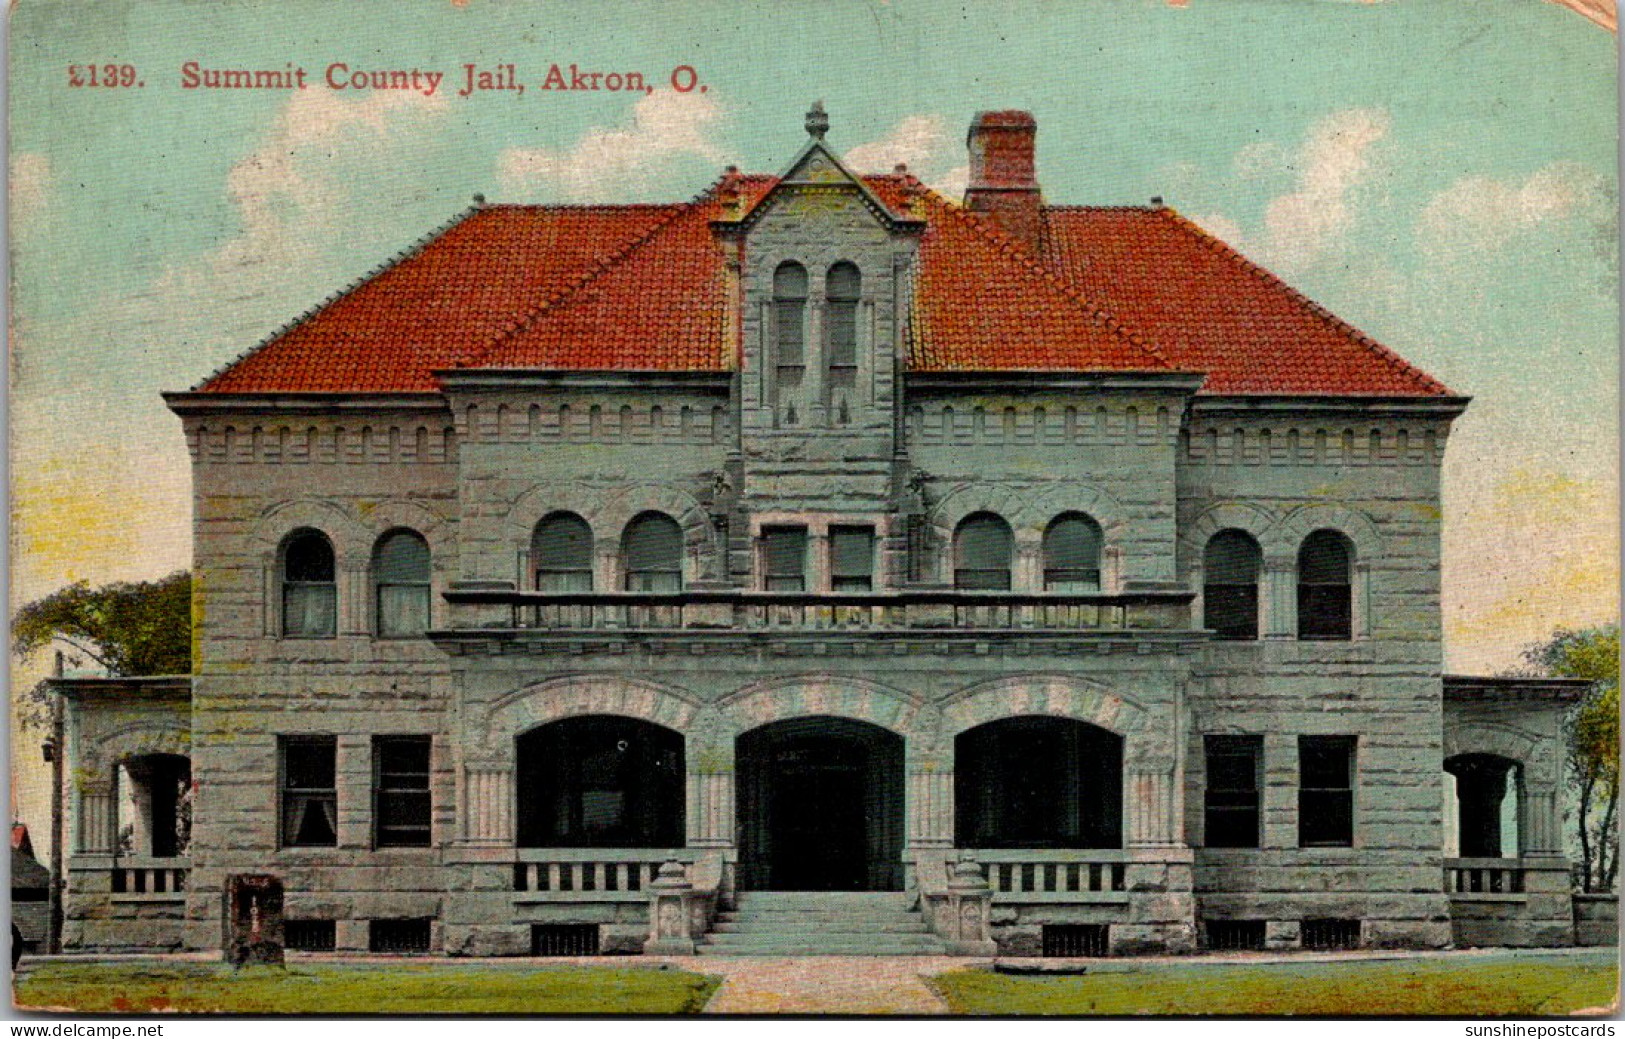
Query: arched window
[400, 577]
[600, 781]
[309, 590]
[561, 554]
[1230, 567]
[789, 325]
[652, 550]
[842, 289]
[982, 552]
[1325, 608]
[1072, 554]
[1038, 782]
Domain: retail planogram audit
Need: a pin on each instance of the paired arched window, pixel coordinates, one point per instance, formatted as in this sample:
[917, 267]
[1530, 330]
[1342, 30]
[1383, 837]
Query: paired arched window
[309, 586]
[789, 324]
[983, 549]
[400, 576]
[561, 554]
[1230, 570]
[1325, 580]
[1072, 554]
[843, 287]
[652, 551]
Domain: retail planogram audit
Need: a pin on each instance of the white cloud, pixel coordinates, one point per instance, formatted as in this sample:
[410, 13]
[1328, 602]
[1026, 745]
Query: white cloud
[1479, 214]
[1336, 158]
[30, 186]
[607, 164]
[917, 141]
[953, 183]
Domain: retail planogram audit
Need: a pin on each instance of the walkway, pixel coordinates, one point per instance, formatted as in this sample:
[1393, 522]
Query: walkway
[825, 984]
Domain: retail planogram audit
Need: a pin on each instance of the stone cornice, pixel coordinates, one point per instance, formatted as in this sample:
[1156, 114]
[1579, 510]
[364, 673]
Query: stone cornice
[1481, 689]
[188, 403]
[1027, 380]
[1441, 407]
[145, 687]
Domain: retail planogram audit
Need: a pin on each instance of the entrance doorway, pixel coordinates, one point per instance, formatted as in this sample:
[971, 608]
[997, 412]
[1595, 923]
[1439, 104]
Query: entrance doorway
[820, 806]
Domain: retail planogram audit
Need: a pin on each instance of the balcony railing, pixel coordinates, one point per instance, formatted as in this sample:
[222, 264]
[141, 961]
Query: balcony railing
[1085, 875]
[149, 879]
[768, 612]
[589, 874]
[1484, 879]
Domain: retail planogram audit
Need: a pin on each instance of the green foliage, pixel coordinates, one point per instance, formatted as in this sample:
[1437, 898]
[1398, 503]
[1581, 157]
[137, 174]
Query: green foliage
[1593, 737]
[406, 987]
[1498, 986]
[128, 628]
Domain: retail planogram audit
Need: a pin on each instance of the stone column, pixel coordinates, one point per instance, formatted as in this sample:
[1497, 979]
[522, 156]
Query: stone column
[928, 798]
[96, 833]
[606, 562]
[1028, 570]
[354, 589]
[1540, 822]
[1360, 600]
[1151, 804]
[818, 562]
[1278, 598]
[488, 809]
[814, 376]
[711, 794]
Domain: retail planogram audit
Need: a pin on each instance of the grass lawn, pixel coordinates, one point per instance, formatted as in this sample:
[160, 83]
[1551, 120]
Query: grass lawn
[1496, 985]
[361, 988]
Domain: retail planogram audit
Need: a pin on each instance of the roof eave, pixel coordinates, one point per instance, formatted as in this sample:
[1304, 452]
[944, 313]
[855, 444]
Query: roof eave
[456, 379]
[196, 402]
[1444, 406]
[1022, 379]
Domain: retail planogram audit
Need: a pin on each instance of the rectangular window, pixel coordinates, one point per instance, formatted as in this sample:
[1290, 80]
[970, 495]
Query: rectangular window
[1326, 791]
[310, 935]
[1331, 934]
[852, 559]
[309, 772]
[399, 936]
[1233, 935]
[1231, 816]
[784, 559]
[400, 787]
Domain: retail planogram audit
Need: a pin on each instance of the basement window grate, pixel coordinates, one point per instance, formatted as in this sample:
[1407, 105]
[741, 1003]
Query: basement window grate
[564, 939]
[310, 935]
[399, 936]
[1075, 939]
[1331, 934]
[1234, 935]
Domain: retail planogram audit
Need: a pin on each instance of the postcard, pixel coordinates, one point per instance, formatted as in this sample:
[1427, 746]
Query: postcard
[839, 508]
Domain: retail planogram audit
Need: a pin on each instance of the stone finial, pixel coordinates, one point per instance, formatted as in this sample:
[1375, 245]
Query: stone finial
[817, 121]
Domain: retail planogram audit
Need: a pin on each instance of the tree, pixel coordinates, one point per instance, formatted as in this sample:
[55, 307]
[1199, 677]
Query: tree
[1593, 738]
[128, 628]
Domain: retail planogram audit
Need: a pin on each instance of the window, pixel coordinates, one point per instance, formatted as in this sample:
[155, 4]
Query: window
[784, 559]
[1326, 791]
[652, 548]
[851, 559]
[1230, 818]
[1230, 567]
[842, 287]
[1072, 555]
[400, 784]
[789, 325]
[1075, 940]
[561, 554]
[1324, 610]
[1233, 935]
[982, 551]
[309, 792]
[400, 574]
[1330, 934]
[310, 935]
[399, 936]
[309, 592]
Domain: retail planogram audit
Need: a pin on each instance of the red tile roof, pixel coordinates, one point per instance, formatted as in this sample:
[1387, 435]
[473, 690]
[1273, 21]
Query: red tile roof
[642, 287]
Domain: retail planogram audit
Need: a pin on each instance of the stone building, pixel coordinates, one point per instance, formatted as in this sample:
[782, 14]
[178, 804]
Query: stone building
[820, 564]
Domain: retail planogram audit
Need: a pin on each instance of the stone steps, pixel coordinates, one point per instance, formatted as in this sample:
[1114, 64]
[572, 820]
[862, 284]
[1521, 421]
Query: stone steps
[821, 923]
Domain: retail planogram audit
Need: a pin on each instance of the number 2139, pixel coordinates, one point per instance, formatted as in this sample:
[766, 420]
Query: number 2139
[102, 76]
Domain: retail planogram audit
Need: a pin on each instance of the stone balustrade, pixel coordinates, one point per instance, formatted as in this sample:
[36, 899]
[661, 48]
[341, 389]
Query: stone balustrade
[1086, 875]
[588, 874]
[770, 612]
[149, 879]
[1487, 879]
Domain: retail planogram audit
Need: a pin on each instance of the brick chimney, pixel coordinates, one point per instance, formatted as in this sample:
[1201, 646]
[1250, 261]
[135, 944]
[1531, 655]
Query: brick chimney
[1003, 176]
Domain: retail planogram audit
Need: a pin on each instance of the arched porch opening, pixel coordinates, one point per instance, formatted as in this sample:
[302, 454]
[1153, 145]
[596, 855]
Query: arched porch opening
[1038, 782]
[1488, 792]
[820, 806]
[154, 794]
[600, 781]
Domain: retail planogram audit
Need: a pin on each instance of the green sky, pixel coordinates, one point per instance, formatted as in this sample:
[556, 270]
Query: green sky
[1440, 174]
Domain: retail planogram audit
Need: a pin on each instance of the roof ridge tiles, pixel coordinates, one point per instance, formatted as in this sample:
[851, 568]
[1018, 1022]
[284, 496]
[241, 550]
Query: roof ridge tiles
[412, 249]
[525, 320]
[1269, 277]
[1010, 247]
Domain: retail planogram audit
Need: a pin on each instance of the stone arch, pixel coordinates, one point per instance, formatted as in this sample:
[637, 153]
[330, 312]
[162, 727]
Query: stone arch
[541, 501]
[1290, 533]
[572, 696]
[1042, 509]
[971, 498]
[1503, 741]
[1254, 520]
[352, 545]
[803, 696]
[401, 514]
[135, 740]
[1060, 696]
